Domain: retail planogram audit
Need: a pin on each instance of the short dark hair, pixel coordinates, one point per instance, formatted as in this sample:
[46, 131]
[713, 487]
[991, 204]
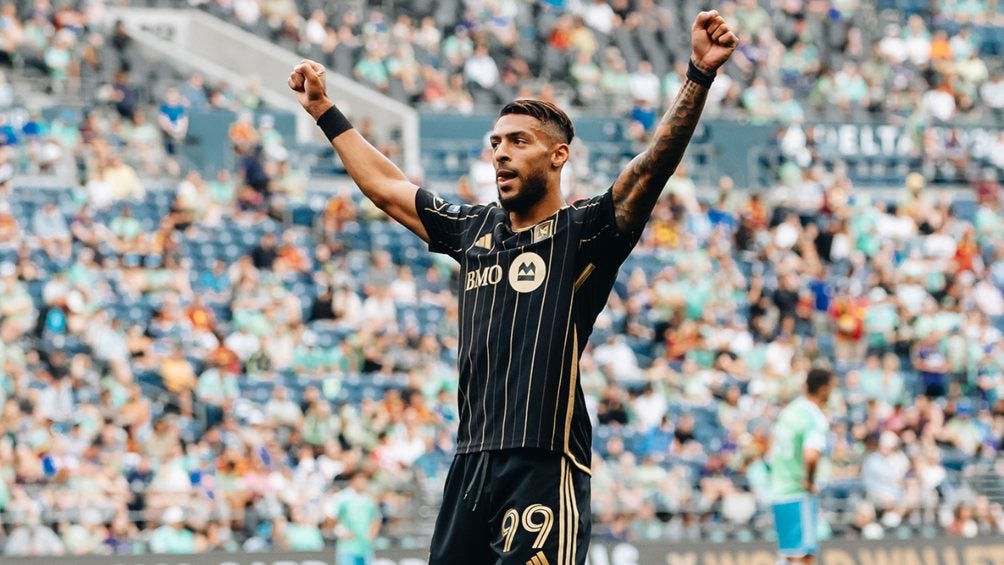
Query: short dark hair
[546, 112]
[817, 379]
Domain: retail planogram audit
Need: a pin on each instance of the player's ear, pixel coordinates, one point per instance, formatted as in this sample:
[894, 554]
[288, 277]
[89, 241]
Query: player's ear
[559, 155]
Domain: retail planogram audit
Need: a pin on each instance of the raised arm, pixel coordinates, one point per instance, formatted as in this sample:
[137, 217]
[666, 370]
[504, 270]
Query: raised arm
[377, 176]
[637, 189]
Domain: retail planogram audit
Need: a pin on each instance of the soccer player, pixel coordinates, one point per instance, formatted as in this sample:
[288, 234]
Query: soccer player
[535, 273]
[357, 518]
[800, 439]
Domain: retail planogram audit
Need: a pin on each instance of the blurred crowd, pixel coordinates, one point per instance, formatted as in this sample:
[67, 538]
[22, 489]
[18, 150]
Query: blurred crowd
[891, 60]
[899, 61]
[902, 63]
[79, 99]
[733, 297]
[907, 64]
[180, 371]
[215, 385]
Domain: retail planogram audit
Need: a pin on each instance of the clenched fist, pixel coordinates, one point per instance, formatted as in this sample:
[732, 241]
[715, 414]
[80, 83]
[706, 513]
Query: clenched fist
[307, 81]
[712, 41]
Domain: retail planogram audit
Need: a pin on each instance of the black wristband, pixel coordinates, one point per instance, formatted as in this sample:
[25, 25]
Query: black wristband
[333, 123]
[698, 76]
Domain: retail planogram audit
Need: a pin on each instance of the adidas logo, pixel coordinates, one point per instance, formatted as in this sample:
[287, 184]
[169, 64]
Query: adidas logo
[484, 242]
[539, 559]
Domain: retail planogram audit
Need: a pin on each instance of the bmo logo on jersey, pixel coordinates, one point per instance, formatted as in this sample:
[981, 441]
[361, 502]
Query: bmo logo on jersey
[488, 276]
[527, 272]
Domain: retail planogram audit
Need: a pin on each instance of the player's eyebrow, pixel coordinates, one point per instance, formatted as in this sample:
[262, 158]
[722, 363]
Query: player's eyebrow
[511, 135]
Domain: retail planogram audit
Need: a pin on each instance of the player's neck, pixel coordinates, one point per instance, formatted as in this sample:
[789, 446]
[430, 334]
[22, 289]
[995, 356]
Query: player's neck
[816, 400]
[542, 210]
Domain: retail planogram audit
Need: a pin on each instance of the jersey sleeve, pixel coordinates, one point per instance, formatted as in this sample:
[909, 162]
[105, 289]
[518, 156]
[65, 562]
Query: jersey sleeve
[446, 223]
[815, 435]
[601, 238]
[815, 440]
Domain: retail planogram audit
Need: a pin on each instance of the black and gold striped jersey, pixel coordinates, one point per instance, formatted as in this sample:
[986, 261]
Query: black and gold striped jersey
[528, 301]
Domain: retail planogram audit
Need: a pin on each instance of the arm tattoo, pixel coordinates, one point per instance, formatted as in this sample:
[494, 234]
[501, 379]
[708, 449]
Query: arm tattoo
[637, 189]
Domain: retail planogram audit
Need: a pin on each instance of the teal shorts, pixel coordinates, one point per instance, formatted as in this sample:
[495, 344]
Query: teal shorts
[796, 520]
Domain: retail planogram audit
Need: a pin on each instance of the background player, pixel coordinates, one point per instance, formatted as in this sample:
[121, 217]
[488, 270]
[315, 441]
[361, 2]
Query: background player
[357, 518]
[535, 274]
[800, 439]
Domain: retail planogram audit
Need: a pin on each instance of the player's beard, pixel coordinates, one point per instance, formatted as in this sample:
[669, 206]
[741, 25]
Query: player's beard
[532, 189]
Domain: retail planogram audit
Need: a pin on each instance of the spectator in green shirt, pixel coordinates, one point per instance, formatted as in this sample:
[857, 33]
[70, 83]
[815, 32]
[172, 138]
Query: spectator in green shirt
[128, 232]
[299, 533]
[172, 536]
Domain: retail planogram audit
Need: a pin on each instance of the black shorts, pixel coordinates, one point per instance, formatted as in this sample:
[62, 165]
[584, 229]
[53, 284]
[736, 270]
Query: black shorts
[516, 506]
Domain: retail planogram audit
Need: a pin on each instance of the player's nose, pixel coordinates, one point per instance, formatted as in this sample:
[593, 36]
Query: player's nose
[501, 155]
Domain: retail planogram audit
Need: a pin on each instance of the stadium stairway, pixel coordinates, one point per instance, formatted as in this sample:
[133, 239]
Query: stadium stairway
[988, 483]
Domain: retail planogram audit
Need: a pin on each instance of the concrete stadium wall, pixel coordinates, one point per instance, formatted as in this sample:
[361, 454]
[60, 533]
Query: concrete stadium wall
[194, 40]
